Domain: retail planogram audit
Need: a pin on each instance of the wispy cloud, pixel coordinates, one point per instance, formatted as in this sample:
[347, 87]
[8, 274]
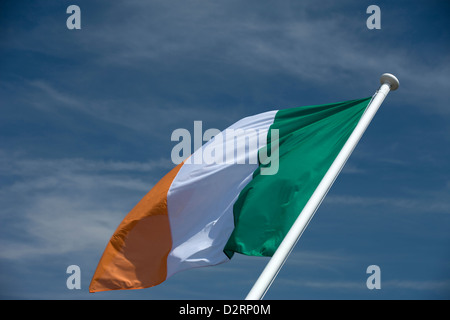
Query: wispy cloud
[321, 49]
[361, 285]
[68, 205]
[437, 285]
[412, 204]
[304, 44]
[29, 167]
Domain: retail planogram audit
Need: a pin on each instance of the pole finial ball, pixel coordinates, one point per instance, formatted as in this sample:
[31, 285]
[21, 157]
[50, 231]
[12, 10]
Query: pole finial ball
[391, 80]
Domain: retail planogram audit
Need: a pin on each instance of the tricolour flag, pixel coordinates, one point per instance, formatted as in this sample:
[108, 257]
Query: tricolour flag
[204, 210]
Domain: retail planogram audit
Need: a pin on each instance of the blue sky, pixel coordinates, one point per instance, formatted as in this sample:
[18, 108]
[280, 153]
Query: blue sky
[87, 116]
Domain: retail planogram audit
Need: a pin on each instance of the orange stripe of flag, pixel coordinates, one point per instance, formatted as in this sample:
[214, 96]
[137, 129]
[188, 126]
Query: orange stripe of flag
[145, 233]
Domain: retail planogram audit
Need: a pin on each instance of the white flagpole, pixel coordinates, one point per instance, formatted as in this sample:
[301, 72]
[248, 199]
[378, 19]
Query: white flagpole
[259, 289]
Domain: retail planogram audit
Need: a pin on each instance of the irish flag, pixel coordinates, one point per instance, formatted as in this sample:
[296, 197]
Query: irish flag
[239, 193]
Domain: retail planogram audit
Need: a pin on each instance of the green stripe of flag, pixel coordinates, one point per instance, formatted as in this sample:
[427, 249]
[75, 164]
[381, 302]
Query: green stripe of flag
[310, 138]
